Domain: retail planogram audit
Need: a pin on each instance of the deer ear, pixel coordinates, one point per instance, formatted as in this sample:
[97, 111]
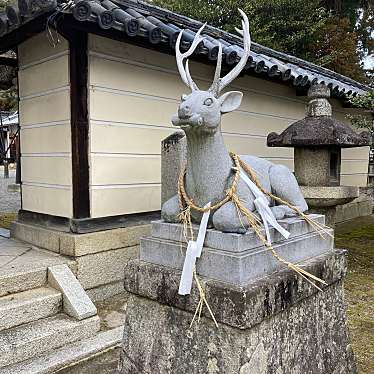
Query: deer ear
[230, 101]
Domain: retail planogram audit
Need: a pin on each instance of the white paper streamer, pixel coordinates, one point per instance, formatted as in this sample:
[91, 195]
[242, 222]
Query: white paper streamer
[193, 252]
[262, 206]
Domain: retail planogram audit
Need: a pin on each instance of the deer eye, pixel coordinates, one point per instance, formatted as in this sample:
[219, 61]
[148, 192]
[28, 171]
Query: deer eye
[208, 102]
[183, 97]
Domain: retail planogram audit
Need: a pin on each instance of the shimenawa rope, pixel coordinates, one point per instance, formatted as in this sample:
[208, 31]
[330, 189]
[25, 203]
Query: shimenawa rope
[186, 204]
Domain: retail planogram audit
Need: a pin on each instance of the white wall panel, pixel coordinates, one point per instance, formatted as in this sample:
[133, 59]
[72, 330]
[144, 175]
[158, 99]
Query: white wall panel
[133, 94]
[47, 200]
[44, 112]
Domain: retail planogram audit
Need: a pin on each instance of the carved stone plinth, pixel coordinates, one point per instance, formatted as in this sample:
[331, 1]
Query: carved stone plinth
[235, 258]
[270, 320]
[276, 324]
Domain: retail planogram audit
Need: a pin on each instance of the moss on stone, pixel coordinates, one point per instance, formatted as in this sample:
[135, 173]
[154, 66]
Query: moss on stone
[6, 219]
[358, 237]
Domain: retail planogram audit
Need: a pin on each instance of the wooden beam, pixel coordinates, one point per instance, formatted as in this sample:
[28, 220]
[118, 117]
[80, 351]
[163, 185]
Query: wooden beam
[78, 67]
[79, 123]
[87, 225]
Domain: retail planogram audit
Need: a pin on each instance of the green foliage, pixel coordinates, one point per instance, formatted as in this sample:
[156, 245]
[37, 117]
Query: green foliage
[336, 34]
[366, 103]
[9, 99]
[336, 48]
[285, 25]
[4, 3]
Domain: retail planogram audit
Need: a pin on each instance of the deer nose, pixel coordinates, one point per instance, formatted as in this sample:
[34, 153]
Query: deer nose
[184, 112]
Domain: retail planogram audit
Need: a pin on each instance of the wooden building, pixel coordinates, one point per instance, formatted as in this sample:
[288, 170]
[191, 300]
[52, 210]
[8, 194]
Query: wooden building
[98, 85]
[8, 138]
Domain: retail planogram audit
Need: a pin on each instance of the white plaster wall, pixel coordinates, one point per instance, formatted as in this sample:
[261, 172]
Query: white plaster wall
[133, 94]
[45, 126]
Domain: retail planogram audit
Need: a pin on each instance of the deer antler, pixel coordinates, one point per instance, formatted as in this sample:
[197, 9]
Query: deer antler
[184, 71]
[220, 83]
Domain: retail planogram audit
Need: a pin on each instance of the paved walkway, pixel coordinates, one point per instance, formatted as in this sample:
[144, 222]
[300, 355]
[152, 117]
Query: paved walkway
[10, 202]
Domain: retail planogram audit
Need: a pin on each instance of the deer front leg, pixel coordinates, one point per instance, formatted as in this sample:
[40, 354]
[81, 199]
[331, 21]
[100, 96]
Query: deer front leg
[170, 210]
[227, 219]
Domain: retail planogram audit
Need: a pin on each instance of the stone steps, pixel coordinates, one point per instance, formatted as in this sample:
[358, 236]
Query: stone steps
[24, 267]
[23, 280]
[99, 353]
[47, 321]
[36, 338]
[27, 306]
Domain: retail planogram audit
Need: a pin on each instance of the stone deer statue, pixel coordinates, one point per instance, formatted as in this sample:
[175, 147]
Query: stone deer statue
[209, 170]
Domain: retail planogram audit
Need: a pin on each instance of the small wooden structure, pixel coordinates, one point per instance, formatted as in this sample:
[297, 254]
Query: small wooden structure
[9, 127]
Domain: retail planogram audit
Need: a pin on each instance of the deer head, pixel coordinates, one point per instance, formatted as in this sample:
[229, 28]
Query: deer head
[202, 110]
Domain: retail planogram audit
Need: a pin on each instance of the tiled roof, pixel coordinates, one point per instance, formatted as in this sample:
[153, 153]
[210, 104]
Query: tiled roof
[157, 27]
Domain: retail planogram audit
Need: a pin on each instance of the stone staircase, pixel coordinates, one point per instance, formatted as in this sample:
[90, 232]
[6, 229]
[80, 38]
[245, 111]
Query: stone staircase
[39, 333]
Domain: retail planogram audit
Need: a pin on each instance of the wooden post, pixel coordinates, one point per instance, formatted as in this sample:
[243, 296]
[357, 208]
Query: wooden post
[78, 64]
[18, 159]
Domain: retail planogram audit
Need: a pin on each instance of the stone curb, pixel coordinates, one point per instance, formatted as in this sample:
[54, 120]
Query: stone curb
[76, 302]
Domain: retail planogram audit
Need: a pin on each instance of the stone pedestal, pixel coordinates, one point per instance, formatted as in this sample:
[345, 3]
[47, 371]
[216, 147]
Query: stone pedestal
[235, 258]
[173, 158]
[273, 323]
[327, 199]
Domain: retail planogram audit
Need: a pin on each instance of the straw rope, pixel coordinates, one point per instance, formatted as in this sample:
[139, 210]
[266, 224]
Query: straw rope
[186, 204]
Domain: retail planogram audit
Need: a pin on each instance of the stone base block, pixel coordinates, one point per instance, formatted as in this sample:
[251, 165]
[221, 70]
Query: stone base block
[331, 214]
[235, 242]
[105, 291]
[98, 257]
[38, 236]
[278, 324]
[235, 258]
[360, 207]
[104, 268]
[79, 244]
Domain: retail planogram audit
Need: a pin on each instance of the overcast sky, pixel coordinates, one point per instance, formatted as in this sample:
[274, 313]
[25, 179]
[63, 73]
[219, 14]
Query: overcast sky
[369, 62]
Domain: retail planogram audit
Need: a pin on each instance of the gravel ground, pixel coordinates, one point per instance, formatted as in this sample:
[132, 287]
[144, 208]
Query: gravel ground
[9, 201]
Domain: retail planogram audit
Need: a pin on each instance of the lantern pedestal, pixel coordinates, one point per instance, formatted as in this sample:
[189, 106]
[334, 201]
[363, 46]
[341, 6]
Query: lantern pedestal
[326, 199]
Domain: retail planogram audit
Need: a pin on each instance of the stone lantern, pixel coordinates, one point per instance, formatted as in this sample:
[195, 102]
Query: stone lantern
[317, 140]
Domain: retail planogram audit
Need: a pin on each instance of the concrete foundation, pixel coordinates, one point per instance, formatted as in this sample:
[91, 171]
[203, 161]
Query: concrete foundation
[98, 257]
[360, 207]
[277, 324]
